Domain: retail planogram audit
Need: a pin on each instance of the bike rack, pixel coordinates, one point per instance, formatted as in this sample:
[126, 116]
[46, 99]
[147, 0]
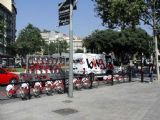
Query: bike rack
[37, 62]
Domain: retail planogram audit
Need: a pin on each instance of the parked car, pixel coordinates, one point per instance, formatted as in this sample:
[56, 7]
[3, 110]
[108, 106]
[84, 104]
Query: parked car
[7, 77]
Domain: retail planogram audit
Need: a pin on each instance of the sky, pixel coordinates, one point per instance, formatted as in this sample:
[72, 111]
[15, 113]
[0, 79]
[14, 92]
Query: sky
[44, 15]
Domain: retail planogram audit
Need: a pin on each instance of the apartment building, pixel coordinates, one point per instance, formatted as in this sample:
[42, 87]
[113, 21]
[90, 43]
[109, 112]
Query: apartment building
[8, 13]
[52, 36]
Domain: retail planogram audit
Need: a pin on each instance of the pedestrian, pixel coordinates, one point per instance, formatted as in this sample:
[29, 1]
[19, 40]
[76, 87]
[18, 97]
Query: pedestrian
[110, 68]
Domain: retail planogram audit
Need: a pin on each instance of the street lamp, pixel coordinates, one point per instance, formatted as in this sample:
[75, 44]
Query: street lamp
[156, 53]
[155, 39]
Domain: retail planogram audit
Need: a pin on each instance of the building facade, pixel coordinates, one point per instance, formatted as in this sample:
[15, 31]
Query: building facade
[53, 36]
[8, 13]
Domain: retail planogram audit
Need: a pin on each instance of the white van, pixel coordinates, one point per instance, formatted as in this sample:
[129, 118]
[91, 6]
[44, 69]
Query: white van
[85, 63]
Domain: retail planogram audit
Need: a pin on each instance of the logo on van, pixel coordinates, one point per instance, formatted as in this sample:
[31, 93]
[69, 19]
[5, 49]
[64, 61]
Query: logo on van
[96, 63]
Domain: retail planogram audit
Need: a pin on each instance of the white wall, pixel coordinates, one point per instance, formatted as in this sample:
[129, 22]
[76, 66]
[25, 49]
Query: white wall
[7, 4]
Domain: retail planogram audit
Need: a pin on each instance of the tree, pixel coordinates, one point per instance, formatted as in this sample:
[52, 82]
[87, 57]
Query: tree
[124, 13]
[61, 46]
[29, 41]
[100, 41]
[79, 51]
[11, 49]
[50, 49]
[119, 13]
[57, 46]
[134, 41]
[127, 13]
[151, 13]
[124, 44]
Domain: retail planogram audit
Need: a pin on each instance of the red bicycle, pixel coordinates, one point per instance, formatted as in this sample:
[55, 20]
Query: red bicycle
[11, 91]
[24, 90]
[77, 83]
[49, 87]
[58, 86]
[37, 89]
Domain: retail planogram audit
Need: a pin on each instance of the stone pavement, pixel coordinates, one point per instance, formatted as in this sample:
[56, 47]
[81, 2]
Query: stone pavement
[126, 101]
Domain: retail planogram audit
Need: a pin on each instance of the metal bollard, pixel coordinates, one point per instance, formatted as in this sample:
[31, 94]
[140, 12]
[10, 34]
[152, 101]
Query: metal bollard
[142, 78]
[123, 75]
[29, 93]
[112, 82]
[91, 79]
[130, 74]
[151, 76]
[65, 87]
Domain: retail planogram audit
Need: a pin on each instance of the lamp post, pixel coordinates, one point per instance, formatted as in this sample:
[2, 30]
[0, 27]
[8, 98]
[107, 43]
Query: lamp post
[65, 18]
[142, 61]
[156, 54]
[155, 39]
[70, 89]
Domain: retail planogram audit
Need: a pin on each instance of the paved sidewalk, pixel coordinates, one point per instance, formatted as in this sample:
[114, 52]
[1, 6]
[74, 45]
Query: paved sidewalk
[126, 101]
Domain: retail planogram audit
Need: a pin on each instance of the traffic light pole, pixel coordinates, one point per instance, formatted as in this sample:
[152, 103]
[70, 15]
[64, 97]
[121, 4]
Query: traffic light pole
[70, 89]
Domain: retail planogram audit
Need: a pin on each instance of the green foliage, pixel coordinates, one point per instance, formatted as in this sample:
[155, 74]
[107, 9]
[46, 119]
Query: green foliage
[11, 49]
[79, 51]
[128, 13]
[62, 46]
[124, 44]
[151, 13]
[50, 49]
[58, 46]
[96, 42]
[29, 41]
[136, 41]
[119, 13]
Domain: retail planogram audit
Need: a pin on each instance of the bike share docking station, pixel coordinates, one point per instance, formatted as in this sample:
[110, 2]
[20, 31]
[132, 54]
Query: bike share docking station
[48, 72]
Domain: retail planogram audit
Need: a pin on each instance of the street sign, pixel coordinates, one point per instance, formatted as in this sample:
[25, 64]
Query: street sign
[64, 11]
[64, 14]
[64, 5]
[63, 22]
